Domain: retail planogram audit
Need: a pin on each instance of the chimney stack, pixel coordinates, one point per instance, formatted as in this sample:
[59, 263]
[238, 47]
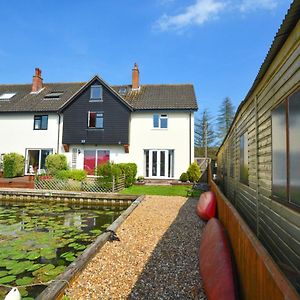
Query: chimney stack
[135, 77]
[37, 81]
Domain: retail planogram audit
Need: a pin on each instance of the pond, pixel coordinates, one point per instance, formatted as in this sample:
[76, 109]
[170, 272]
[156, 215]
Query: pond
[39, 240]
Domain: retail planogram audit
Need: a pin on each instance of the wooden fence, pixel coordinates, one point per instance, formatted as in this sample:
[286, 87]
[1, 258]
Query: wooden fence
[258, 275]
[94, 184]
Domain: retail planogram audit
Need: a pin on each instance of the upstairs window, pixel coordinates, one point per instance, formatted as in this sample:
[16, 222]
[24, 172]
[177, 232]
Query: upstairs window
[244, 176]
[96, 93]
[160, 121]
[286, 150]
[40, 122]
[95, 120]
[6, 96]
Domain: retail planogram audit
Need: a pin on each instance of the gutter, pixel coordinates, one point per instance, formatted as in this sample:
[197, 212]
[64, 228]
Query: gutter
[190, 137]
[58, 132]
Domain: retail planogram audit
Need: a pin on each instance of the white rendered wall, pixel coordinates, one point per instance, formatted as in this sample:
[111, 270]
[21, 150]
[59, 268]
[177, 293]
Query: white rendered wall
[17, 134]
[116, 154]
[176, 137]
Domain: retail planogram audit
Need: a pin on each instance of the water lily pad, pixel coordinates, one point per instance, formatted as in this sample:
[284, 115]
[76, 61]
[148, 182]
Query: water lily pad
[18, 255]
[35, 267]
[96, 231]
[3, 273]
[54, 272]
[7, 279]
[43, 269]
[23, 291]
[24, 281]
[20, 267]
[33, 255]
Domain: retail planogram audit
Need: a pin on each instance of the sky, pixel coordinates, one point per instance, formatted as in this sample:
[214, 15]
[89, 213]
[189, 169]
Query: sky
[217, 45]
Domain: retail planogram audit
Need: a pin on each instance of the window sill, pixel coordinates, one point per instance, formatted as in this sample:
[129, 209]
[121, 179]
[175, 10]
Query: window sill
[96, 100]
[159, 128]
[92, 129]
[289, 205]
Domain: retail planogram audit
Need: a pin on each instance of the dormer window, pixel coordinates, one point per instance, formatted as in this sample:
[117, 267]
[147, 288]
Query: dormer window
[7, 96]
[96, 93]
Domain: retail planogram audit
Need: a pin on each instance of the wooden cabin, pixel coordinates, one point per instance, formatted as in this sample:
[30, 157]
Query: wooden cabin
[259, 160]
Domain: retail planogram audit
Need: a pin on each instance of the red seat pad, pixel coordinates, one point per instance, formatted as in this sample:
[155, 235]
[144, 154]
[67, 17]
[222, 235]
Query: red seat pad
[216, 263]
[206, 206]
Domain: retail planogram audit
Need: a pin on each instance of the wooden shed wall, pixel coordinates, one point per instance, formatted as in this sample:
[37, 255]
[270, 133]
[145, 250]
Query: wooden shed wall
[276, 225]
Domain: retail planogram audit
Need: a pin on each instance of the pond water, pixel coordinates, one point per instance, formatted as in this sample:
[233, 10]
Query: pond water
[39, 240]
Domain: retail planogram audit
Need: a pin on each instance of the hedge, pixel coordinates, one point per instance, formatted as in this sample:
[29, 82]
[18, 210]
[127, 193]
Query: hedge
[13, 165]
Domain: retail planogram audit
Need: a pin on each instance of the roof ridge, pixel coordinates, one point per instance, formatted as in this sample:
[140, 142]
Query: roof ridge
[44, 83]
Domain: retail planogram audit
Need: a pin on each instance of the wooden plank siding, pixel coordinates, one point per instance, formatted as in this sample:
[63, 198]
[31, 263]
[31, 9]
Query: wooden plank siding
[258, 275]
[116, 120]
[276, 225]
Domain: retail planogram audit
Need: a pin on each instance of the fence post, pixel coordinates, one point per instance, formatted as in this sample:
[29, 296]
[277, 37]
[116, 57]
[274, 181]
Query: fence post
[113, 184]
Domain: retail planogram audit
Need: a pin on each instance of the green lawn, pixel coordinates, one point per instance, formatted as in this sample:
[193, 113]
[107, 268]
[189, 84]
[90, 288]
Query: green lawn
[164, 190]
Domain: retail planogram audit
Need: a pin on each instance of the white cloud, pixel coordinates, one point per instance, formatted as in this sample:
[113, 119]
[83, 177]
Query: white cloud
[248, 5]
[198, 13]
[203, 11]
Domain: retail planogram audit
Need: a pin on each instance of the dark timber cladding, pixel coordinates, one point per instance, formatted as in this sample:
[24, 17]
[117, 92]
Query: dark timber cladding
[265, 190]
[115, 119]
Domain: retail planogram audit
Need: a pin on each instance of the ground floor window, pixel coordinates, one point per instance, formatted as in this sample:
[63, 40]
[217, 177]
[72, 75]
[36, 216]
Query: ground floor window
[36, 160]
[159, 163]
[94, 158]
[286, 150]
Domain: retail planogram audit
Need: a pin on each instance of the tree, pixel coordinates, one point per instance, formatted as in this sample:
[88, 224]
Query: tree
[225, 118]
[204, 130]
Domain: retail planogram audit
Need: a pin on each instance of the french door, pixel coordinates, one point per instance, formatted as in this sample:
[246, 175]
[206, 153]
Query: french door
[159, 163]
[36, 160]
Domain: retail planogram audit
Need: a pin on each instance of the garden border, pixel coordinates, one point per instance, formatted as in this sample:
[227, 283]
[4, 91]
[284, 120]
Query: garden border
[56, 288]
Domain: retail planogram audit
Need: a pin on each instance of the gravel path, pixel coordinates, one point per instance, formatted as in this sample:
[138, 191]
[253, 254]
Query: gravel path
[157, 257]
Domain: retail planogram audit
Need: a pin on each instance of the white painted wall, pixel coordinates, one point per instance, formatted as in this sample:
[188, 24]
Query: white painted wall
[143, 136]
[17, 134]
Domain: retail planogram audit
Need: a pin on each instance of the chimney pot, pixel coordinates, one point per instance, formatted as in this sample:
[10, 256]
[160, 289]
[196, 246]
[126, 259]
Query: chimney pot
[37, 81]
[135, 77]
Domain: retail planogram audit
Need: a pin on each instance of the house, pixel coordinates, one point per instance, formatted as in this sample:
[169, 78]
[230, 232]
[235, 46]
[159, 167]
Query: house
[93, 122]
[259, 160]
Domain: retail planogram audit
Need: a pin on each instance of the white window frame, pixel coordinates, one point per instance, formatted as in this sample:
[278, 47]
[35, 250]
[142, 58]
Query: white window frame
[100, 99]
[160, 118]
[89, 117]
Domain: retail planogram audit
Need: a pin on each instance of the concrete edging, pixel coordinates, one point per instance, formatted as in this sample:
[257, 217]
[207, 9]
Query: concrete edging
[55, 289]
[65, 196]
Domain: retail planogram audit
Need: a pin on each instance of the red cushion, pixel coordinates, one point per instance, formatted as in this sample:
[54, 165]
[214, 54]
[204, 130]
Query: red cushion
[206, 206]
[216, 264]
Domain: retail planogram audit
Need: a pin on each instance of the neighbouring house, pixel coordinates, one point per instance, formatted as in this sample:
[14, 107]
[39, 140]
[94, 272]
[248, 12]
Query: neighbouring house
[93, 122]
[259, 160]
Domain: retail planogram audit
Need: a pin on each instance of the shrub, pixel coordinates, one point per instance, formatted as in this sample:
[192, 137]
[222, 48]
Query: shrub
[13, 165]
[130, 170]
[78, 175]
[108, 171]
[55, 163]
[194, 172]
[184, 177]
